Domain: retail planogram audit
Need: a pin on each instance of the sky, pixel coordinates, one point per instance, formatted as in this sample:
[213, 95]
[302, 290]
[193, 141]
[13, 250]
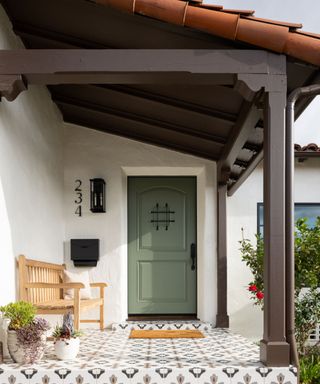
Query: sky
[307, 12]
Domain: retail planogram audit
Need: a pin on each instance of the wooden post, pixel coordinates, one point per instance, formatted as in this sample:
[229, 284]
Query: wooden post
[222, 320]
[274, 349]
[76, 309]
[102, 308]
[23, 279]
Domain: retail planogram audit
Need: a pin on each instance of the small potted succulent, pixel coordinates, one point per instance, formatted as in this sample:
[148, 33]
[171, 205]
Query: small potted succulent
[26, 333]
[66, 339]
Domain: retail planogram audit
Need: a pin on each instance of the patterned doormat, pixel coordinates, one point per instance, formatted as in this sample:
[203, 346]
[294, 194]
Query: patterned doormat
[165, 334]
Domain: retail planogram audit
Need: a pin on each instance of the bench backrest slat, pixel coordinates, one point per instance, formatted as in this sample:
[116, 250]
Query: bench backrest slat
[34, 271]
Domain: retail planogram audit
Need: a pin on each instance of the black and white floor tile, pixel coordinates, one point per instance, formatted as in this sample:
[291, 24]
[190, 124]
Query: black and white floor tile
[110, 357]
[150, 325]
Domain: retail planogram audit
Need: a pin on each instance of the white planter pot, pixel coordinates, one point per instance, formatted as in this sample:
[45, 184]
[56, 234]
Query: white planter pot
[67, 349]
[18, 353]
[4, 323]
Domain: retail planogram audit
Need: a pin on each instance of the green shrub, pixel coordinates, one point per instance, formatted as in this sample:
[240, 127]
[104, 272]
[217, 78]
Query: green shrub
[307, 275]
[307, 316]
[20, 314]
[253, 257]
[310, 369]
[307, 254]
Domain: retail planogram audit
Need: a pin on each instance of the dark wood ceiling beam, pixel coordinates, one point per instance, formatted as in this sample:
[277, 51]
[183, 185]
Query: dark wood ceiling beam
[34, 41]
[241, 163]
[253, 147]
[172, 102]
[249, 168]
[94, 77]
[246, 173]
[192, 61]
[69, 117]
[144, 66]
[29, 31]
[11, 86]
[248, 118]
[303, 102]
[156, 123]
[51, 62]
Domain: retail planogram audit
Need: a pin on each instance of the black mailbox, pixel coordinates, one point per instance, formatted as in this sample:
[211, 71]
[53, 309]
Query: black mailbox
[85, 252]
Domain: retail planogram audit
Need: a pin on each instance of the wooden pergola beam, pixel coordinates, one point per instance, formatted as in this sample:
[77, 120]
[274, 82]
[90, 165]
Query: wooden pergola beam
[246, 173]
[78, 61]
[247, 120]
[135, 66]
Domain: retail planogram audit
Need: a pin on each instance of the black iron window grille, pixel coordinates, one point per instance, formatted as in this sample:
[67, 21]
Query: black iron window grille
[162, 216]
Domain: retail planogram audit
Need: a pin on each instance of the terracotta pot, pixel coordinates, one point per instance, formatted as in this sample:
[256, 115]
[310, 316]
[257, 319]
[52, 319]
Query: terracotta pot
[67, 349]
[18, 352]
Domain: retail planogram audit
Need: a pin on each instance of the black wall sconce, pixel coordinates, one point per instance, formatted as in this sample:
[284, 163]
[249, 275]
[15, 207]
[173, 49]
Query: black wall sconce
[97, 195]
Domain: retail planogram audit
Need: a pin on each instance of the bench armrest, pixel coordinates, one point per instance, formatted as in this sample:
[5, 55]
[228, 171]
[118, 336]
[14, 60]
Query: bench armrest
[53, 285]
[97, 285]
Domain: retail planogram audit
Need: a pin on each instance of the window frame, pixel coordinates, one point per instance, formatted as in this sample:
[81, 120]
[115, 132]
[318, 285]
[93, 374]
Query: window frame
[260, 204]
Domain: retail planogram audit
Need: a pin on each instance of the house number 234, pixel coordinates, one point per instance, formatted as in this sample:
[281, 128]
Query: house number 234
[78, 199]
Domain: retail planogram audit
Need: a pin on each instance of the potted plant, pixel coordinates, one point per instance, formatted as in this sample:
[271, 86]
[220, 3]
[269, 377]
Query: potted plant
[26, 333]
[66, 339]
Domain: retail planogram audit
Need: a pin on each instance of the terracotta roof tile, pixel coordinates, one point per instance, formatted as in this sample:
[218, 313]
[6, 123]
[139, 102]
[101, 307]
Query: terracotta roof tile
[311, 34]
[213, 22]
[211, 6]
[312, 147]
[166, 10]
[276, 22]
[268, 36]
[234, 24]
[303, 47]
[243, 12]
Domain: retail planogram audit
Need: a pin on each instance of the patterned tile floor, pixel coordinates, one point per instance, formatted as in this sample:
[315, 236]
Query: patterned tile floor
[110, 357]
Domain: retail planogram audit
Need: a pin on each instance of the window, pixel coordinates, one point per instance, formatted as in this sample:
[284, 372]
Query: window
[309, 210]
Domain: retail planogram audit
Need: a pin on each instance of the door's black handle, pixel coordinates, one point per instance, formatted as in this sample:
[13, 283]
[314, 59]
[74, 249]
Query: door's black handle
[193, 256]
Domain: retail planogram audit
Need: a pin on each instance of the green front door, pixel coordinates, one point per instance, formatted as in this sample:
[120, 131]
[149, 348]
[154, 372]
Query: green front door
[162, 245]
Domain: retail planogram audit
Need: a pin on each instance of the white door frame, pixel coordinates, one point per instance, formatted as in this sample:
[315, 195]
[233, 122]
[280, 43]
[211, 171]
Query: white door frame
[206, 234]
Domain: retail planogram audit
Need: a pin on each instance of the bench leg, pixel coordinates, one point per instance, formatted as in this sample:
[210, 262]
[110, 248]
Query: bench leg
[102, 309]
[76, 311]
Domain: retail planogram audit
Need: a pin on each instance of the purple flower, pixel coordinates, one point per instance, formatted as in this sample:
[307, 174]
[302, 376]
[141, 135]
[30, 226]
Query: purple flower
[31, 338]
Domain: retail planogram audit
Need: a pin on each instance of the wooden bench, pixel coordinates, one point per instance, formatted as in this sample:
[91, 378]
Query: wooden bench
[42, 284]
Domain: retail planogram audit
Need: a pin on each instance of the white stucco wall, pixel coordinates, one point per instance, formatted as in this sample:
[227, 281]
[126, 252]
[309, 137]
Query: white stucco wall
[242, 213]
[31, 177]
[90, 154]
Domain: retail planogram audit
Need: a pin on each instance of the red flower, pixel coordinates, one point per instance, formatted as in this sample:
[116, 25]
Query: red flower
[259, 295]
[252, 288]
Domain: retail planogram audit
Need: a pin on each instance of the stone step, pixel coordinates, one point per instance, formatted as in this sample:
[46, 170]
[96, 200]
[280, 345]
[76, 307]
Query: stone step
[167, 325]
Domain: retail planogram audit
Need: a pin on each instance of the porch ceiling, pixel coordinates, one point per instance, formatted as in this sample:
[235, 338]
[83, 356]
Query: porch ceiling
[201, 120]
